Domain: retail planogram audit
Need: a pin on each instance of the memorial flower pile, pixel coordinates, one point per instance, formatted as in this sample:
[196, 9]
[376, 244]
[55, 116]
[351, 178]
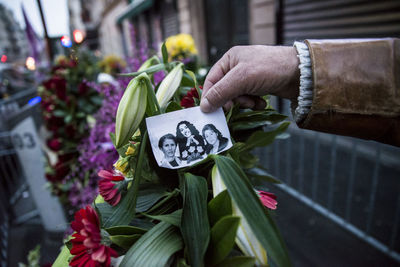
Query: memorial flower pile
[206, 214]
[67, 102]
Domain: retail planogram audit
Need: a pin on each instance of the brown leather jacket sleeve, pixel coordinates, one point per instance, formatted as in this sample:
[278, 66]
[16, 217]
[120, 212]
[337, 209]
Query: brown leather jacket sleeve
[356, 88]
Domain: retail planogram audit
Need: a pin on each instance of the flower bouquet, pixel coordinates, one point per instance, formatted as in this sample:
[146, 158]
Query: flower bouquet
[205, 214]
[67, 101]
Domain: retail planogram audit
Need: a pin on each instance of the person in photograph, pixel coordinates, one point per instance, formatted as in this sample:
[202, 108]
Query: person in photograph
[191, 144]
[215, 142]
[167, 145]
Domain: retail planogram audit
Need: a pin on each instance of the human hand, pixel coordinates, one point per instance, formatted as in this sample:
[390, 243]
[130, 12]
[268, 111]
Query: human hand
[245, 73]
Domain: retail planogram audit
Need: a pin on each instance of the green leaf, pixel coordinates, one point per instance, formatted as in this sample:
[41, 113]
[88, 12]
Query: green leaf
[68, 118]
[236, 126]
[172, 218]
[222, 239]
[247, 160]
[124, 241]
[125, 211]
[182, 263]
[260, 222]
[261, 138]
[121, 151]
[147, 197]
[219, 207]
[152, 103]
[195, 227]
[62, 259]
[191, 74]
[164, 53]
[261, 174]
[125, 230]
[96, 99]
[240, 261]
[149, 70]
[173, 106]
[154, 248]
[59, 113]
[187, 81]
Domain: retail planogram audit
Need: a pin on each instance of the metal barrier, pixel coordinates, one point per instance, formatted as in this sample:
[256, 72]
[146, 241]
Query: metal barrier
[353, 182]
[11, 183]
[23, 198]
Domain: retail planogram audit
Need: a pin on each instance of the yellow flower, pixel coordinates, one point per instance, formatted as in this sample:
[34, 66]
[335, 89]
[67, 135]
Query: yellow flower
[122, 166]
[180, 46]
[130, 151]
[111, 64]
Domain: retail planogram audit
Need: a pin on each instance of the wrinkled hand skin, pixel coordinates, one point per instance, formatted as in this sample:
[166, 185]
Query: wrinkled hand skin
[245, 73]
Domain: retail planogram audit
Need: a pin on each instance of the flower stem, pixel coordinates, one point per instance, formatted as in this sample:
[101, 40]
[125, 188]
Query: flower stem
[138, 172]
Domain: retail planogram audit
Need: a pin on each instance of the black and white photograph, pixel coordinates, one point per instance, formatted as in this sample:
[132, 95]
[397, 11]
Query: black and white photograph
[182, 138]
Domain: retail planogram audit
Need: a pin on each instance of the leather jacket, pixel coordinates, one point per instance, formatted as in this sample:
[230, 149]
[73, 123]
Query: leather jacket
[356, 88]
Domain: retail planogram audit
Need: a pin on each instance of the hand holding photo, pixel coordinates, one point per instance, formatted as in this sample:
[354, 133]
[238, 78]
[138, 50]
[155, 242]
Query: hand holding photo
[182, 138]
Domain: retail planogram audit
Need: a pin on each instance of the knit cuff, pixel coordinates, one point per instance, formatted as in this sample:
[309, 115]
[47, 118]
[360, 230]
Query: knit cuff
[305, 98]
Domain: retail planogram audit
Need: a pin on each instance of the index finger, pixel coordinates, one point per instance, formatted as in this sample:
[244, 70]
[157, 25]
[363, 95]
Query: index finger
[216, 73]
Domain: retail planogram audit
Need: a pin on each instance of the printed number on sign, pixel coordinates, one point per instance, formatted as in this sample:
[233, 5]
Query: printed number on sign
[24, 140]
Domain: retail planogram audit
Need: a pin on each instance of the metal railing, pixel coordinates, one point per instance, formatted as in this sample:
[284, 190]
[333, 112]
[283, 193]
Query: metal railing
[23, 198]
[353, 182]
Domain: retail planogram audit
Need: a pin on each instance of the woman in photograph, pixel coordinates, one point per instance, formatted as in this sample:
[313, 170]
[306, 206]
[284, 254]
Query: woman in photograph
[167, 145]
[191, 144]
[214, 139]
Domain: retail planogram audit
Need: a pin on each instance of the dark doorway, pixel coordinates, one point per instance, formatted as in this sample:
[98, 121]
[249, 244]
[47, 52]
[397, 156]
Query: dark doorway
[227, 25]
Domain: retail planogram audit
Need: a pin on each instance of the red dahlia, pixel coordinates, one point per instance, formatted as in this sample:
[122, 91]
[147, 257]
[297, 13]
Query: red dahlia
[87, 245]
[108, 186]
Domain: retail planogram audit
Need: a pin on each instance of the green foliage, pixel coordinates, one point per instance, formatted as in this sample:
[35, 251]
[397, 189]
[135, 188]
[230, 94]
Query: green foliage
[245, 198]
[239, 261]
[219, 207]
[33, 258]
[178, 223]
[222, 240]
[154, 248]
[195, 227]
[63, 257]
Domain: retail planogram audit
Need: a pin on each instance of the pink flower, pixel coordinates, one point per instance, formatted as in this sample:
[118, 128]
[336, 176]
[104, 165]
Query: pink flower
[268, 199]
[107, 186]
[87, 245]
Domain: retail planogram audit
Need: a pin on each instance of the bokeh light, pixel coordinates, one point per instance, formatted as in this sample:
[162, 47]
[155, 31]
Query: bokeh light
[66, 41]
[78, 36]
[30, 63]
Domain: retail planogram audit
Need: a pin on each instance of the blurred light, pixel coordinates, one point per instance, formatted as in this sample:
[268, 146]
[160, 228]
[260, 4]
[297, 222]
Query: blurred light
[78, 36]
[35, 100]
[3, 58]
[66, 41]
[30, 63]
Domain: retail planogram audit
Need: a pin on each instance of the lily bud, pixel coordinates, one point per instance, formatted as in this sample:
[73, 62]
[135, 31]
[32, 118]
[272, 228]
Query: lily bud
[131, 109]
[245, 238]
[169, 85]
[148, 63]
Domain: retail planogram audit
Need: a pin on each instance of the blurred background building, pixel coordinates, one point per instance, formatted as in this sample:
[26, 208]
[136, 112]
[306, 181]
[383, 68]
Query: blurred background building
[13, 42]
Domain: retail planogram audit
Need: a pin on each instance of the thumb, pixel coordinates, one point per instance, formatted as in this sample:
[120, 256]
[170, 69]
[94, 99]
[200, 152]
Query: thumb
[227, 88]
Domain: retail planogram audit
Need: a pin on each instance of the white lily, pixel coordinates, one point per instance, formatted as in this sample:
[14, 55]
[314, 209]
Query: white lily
[245, 238]
[169, 85]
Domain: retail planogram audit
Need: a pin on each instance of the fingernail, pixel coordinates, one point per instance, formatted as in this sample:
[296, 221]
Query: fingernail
[205, 105]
